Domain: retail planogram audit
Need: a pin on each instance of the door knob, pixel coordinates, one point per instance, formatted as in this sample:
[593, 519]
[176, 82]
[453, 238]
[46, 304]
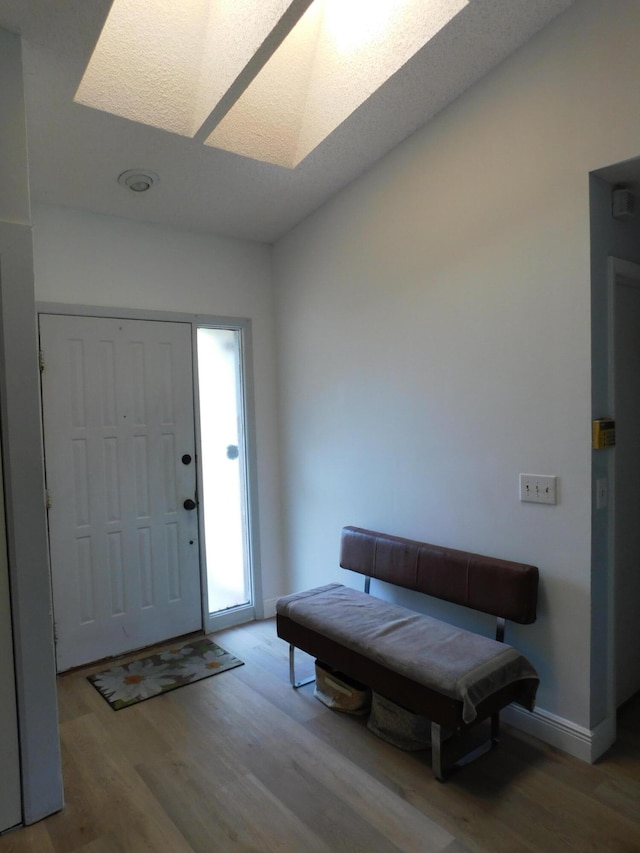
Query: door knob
[189, 504]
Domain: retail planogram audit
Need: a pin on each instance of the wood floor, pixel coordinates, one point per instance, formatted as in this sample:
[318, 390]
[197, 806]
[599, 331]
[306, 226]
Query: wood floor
[241, 762]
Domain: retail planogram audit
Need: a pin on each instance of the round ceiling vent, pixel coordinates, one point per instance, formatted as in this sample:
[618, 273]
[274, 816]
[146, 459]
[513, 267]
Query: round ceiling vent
[138, 180]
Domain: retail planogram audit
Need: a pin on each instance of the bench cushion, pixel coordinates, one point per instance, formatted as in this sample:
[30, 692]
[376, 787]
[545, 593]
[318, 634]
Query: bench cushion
[459, 664]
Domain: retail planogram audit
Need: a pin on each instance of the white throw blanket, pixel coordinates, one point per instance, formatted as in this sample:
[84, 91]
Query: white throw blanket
[457, 663]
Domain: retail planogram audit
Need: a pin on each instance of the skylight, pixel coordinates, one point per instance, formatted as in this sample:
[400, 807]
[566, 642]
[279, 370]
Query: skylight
[266, 79]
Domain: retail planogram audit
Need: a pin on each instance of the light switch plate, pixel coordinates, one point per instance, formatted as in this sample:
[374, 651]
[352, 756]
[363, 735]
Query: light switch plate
[538, 488]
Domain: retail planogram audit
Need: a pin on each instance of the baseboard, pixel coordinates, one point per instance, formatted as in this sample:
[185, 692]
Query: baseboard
[603, 737]
[269, 605]
[583, 743]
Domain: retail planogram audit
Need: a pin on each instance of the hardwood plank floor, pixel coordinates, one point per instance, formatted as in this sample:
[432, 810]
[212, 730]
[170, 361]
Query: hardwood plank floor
[241, 762]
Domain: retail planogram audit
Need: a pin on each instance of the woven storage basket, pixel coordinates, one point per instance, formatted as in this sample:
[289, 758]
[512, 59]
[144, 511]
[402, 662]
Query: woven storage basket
[339, 692]
[398, 726]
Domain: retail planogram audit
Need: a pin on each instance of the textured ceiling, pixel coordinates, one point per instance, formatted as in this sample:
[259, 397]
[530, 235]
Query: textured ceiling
[76, 153]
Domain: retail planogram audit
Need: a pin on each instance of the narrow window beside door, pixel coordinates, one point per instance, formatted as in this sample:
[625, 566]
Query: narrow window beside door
[223, 461]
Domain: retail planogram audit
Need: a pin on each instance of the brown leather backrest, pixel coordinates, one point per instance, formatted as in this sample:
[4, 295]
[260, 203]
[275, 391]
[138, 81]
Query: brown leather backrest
[499, 587]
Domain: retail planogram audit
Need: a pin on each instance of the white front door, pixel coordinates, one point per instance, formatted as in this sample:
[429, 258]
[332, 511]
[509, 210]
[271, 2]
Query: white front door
[120, 464]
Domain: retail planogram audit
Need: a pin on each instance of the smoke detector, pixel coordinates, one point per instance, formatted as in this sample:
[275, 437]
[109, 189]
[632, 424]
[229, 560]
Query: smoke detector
[138, 180]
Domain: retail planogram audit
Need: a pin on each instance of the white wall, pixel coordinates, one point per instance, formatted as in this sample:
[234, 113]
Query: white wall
[434, 331]
[86, 259]
[14, 198]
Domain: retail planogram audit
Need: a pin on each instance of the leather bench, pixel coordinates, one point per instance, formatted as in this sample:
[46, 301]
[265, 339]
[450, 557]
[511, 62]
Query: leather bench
[455, 678]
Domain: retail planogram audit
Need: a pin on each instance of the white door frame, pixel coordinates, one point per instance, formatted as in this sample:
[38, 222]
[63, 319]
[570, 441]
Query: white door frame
[41, 767]
[615, 267]
[10, 788]
[255, 609]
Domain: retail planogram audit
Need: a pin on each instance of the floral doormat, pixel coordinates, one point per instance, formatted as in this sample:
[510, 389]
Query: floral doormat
[141, 679]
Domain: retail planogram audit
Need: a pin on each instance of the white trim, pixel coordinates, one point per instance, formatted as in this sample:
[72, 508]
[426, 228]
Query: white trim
[235, 616]
[586, 744]
[141, 314]
[41, 769]
[10, 784]
[229, 618]
[269, 607]
[603, 737]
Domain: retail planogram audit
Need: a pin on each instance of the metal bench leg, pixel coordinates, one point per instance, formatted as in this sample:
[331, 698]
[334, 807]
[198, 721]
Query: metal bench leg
[292, 670]
[441, 768]
[436, 751]
[495, 729]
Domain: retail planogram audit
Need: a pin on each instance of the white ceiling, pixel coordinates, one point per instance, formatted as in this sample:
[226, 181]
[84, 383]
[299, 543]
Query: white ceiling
[76, 153]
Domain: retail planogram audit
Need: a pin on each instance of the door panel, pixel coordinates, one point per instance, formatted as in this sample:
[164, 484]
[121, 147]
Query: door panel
[118, 417]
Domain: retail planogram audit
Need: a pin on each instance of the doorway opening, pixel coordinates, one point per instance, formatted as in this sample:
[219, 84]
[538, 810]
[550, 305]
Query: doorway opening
[615, 273]
[148, 426]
